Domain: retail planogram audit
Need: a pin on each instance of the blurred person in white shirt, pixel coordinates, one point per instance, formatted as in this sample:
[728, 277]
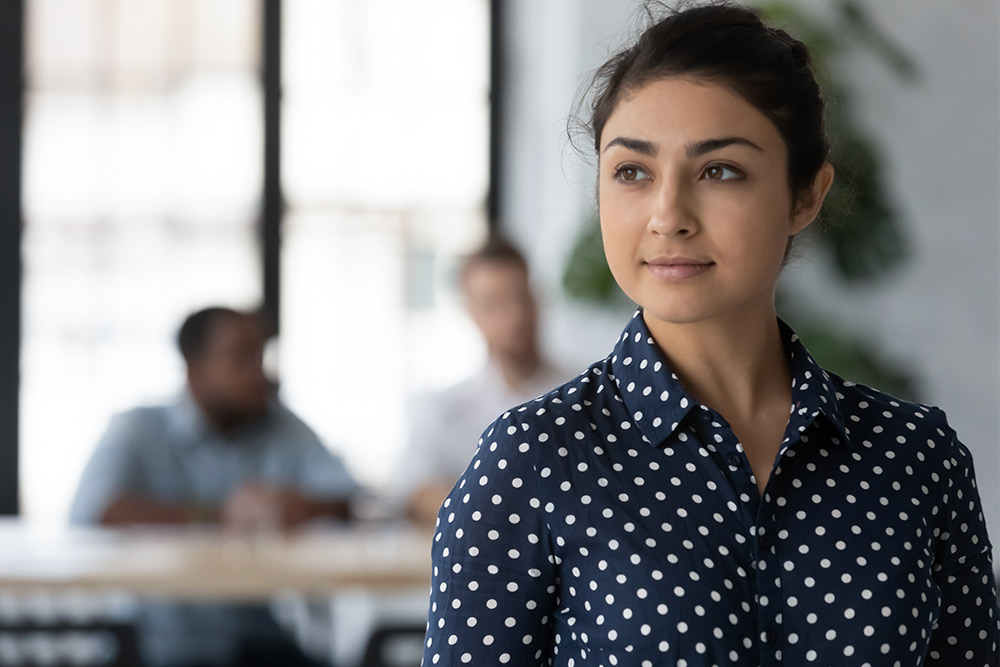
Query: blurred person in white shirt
[447, 425]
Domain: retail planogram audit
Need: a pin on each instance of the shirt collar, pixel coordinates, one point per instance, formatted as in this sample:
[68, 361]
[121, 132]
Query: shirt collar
[189, 420]
[658, 403]
[813, 392]
[650, 391]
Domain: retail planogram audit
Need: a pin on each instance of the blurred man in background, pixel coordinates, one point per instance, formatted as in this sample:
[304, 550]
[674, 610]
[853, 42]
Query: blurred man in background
[226, 453]
[447, 426]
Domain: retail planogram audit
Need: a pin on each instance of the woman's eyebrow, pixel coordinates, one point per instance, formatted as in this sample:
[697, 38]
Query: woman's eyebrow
[693, 150]
[700, 148]
[637, 145]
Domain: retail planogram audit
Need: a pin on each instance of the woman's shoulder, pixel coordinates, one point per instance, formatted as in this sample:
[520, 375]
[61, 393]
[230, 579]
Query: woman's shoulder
[577, 396]
[856, 394]
[871, 414]
[568, 407]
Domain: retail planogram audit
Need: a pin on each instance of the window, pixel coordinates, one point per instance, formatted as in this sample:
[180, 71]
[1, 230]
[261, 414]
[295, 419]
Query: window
[385, 167]
[143, 168]
[142, 172]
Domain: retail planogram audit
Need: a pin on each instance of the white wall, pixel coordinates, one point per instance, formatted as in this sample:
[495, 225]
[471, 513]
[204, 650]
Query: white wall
[940, 140]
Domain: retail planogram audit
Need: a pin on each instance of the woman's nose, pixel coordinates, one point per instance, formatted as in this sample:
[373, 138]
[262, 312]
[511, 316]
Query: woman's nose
[672, 213]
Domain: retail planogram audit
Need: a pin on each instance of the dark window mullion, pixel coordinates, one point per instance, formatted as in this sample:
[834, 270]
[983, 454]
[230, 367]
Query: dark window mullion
[273, 205]
[496, 109]
[11, 120]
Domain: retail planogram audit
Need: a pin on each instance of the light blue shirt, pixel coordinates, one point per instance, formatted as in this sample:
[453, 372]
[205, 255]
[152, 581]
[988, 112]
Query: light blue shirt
[170, 454]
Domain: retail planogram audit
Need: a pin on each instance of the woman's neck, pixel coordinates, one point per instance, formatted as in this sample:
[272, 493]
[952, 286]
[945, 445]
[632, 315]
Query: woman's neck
[735, 364]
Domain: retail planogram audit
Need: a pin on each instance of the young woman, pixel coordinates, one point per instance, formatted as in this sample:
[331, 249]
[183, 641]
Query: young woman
[707, 494]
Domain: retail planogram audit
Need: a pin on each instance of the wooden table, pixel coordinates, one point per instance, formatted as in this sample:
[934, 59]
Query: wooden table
[202, 563]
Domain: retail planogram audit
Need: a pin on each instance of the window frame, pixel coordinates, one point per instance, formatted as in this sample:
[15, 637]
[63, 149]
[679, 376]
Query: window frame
[12, 26]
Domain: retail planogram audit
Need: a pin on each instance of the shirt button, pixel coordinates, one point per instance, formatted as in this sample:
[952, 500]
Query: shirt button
[770, 637]
[764, 541]
[734, 460]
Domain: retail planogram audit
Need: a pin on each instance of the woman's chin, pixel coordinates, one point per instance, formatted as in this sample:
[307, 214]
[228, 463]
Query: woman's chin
[676, 313]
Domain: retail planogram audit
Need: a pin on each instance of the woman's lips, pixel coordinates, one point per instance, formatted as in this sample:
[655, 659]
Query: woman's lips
[679, 268]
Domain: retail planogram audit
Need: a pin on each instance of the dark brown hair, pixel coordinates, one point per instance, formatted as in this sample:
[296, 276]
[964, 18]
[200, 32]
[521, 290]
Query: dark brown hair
[731, 45]
[496, 250]
[196, 331]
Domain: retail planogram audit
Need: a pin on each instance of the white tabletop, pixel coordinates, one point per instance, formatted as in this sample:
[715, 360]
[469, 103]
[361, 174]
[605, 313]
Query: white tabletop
[204, 563]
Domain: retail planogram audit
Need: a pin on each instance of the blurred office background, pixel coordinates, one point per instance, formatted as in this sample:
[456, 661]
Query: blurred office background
[332, 165]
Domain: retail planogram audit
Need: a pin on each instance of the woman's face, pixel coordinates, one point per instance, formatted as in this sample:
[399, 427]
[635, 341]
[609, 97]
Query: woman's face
[695, 205]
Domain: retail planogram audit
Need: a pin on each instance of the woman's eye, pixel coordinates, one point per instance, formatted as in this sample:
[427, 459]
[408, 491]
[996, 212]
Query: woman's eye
[630, 173]
[722, 172]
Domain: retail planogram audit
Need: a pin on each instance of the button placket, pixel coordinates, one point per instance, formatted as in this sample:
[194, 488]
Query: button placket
[768, 569]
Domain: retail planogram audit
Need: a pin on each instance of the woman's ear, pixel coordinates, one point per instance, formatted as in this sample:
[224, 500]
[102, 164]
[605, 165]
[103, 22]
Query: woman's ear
[808, 205]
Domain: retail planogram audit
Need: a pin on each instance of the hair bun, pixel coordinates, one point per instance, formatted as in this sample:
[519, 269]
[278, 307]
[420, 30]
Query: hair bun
[800, 54]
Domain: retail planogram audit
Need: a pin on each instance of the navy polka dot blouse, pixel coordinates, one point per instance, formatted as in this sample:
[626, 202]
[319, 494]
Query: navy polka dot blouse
[616, 521]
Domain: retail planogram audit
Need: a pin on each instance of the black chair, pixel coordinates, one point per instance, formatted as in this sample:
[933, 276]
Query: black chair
[63, 644]
[395, 646]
